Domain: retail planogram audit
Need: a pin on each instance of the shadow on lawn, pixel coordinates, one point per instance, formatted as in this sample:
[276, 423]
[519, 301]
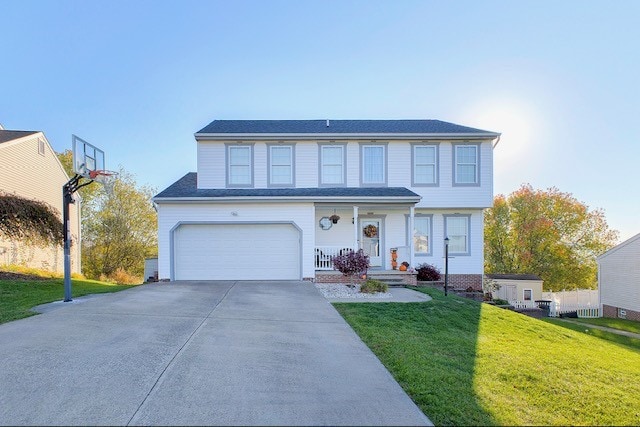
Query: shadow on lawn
[430, 348]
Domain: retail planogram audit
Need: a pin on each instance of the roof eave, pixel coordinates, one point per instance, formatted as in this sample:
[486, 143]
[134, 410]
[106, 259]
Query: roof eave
[331, 136]
[248, 199]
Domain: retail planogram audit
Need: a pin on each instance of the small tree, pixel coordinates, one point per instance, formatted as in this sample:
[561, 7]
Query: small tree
[32, 220]
[351, 264]
[489, 286]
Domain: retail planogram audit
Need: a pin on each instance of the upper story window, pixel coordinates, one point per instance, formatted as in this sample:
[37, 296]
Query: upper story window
[239, 165]
[466, 165]
[421, 235]
[281, 165]
[456, 228]
[373, 165]
[425, 165]
[332, 165]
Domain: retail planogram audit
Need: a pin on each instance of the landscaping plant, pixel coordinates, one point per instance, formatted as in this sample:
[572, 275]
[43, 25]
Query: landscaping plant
[428, 273]
[351, 264]
[372, 286]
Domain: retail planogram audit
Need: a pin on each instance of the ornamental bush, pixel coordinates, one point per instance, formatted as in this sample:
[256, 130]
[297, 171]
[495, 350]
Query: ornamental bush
[351, 263]
[428, 273]
[372, 286]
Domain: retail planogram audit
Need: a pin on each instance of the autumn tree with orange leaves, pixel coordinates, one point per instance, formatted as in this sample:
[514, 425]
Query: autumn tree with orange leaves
[547, 233]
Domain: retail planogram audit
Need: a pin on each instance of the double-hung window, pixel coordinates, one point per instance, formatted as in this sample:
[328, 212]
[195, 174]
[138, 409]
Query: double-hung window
[239, 165]
[373, 165]
[425, 165]
[280, 165]
[466, 162]
[422, 235]
[457, 230]
[332, 165]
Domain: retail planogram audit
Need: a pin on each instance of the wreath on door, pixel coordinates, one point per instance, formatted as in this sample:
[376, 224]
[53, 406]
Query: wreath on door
[370, 231]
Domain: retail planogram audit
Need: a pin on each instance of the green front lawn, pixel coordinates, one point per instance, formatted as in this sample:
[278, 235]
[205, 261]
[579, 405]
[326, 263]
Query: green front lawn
[633, 343]
[466, 363]
[621, 324]
[17, 297]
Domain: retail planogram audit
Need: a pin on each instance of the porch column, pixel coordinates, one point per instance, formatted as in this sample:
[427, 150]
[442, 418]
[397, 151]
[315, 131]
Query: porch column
[412, 212]
[355, 229]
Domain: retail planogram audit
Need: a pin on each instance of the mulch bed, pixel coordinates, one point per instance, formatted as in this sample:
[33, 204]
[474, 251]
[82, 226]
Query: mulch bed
[7, 275]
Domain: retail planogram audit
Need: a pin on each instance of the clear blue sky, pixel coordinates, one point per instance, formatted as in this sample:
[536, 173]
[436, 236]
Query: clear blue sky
[559, 79]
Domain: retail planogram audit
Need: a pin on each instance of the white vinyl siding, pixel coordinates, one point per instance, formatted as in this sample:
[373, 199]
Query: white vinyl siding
[373, 165]
[239, 166]
[425, 164]
[281, 165]
[457, 230]
[466, 164]
[619, 275]
[332, 164]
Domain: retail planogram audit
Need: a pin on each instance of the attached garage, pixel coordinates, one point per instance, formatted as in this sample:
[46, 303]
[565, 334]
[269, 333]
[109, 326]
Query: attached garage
[236, 251]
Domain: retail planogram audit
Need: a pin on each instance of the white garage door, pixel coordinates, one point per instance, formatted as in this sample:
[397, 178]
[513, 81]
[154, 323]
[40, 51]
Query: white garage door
[236, 252]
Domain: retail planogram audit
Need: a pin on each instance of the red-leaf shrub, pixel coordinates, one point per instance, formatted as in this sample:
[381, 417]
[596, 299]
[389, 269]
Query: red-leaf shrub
[351, 263]
[428, 273]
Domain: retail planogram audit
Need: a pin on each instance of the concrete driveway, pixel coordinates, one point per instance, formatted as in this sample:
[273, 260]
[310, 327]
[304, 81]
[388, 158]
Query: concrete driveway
[207, 353]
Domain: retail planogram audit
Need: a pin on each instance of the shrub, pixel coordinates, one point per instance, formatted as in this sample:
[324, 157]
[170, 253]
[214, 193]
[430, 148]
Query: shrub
[372, 286]
[122, 277]
[500, 302]
[351, 263]
[428, 273]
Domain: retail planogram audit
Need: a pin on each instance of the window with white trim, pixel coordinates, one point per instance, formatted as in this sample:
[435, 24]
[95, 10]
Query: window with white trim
[239, 165]
[527, 295]
[422, 235]
[466, 164]
[332, 164]
[456, 228]
[425, 166]
[373, 162]
[280, 165]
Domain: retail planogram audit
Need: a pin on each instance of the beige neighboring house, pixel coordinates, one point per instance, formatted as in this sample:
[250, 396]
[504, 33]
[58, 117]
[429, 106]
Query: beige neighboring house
[517, 287]
[30, 169]
[619, 280]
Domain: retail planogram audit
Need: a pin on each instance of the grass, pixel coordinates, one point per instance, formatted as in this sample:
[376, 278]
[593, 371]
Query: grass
[621, 324]
[467, 363]
[633, 343]
[17, 297]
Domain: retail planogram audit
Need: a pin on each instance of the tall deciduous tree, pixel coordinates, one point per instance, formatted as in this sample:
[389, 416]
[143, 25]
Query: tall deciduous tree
[121, 231]
[548, 233]
[119, 227]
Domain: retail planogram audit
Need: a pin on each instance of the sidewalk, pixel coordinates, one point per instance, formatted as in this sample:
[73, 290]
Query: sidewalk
[604, 328]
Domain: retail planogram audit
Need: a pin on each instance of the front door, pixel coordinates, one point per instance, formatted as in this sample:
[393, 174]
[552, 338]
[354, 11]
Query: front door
[370, 234]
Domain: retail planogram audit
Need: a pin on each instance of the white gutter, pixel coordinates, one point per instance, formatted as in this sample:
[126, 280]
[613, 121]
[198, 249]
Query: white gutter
[303, 136]
[248, 199]
[495, 143]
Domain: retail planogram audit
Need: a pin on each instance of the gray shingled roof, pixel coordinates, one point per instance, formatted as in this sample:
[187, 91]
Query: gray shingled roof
[514, 276]
[338, 126]
[10, 135]
[185, 187]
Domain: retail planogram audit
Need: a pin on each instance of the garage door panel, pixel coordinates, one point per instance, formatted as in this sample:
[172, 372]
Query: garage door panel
[237, 252]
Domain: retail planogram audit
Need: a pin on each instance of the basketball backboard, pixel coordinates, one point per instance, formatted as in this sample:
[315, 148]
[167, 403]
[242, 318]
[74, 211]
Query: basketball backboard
[86, 157]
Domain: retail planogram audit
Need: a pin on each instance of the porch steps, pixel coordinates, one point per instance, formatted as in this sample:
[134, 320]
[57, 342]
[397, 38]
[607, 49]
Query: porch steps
[393, 280]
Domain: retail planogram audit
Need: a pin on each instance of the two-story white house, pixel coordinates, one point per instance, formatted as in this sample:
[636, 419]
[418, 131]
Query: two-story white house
[264, 202]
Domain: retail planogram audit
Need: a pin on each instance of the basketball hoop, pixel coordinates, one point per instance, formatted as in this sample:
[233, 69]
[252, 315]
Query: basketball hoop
[105, 177]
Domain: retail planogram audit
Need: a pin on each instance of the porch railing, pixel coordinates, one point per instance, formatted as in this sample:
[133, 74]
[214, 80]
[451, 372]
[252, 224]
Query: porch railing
[324, 254]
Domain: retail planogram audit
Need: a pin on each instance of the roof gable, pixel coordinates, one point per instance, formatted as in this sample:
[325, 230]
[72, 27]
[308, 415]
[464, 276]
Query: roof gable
[340, 127]
[10, 135]
[619, 246]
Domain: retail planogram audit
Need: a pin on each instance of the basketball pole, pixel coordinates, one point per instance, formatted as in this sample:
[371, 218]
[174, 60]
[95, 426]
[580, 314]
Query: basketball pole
[68, 190]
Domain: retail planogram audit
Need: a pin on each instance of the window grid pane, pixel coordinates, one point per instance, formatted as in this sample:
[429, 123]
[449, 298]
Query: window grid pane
[332, 166]
[458, 233]
[424, 165]
[373, 165]
[466, 164]
[240, 165]
[281, 169]
[421, 229]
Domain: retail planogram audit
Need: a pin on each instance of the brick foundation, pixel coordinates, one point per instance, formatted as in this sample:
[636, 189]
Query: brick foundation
[409, 279]
[465, 281]
[612, 312]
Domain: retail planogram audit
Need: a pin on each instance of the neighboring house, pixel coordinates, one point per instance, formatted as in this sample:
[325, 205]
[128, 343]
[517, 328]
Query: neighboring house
[517, 287]
[260, 205]
[619, 280]
[29, 168]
